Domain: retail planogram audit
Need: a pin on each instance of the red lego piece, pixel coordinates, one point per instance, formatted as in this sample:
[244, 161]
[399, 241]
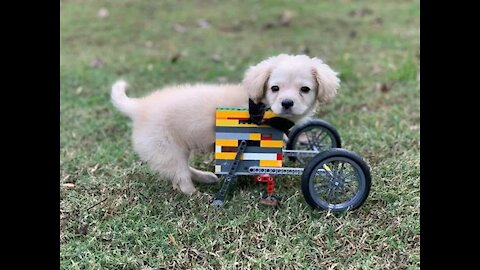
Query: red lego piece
[266, 137]
[266, 178]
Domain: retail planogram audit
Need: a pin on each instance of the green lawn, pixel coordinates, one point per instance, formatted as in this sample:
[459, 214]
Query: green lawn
[116, 214]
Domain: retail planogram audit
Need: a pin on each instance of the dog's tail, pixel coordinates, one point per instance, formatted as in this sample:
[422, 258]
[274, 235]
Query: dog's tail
[120, 100]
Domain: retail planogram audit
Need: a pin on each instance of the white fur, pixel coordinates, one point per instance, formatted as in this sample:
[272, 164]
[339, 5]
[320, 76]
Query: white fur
[171, 123]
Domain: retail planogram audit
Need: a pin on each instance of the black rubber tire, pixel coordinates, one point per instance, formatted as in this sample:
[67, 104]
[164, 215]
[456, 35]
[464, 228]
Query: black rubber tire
[357, 200]
[297, 130]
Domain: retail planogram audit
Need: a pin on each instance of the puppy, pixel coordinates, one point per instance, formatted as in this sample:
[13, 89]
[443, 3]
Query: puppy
[171, 123]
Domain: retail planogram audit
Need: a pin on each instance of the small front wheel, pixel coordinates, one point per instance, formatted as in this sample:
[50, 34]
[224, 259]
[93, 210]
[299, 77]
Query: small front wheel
[313, 135]
[336, 180]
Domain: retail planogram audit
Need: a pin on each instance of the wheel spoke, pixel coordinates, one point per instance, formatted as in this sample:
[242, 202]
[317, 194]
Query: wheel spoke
[352, 174]
[322, 138]
[322, 184]
[349, 188]
[339, 173]
[330, 193]
[335, 166]
[343, 191]
[337, 194]
[310, 140]
[318, 136]
[328, 173]
[319, 140]
[322, 190]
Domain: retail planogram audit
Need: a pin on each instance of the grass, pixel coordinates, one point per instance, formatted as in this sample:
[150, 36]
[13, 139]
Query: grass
[116, 214]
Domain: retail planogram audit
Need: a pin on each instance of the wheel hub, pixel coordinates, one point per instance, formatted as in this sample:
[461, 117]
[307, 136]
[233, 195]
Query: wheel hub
[337, 183]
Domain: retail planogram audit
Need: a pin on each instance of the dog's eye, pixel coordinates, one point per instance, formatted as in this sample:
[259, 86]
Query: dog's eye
[305, 89]
[275, 88]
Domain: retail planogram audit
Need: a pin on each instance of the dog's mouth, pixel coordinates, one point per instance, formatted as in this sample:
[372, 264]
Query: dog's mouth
[286, 112]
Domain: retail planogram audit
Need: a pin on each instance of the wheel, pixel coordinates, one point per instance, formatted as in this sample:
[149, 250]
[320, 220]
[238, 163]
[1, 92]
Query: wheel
[317, 135]
[336, 180]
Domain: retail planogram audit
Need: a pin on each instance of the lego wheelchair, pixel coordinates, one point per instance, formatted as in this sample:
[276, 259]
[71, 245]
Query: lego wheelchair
[252, 141]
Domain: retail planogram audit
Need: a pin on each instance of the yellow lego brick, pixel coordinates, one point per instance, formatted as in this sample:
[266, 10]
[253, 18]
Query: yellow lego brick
[269, 114]
[270, 163]
[271, 143]
[231, 114]
[229, 155]
[218, 168]
[226, 123]
[226, 142]
[255, 136]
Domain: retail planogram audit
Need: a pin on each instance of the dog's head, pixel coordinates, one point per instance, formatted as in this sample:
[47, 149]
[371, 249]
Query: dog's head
[291, 85]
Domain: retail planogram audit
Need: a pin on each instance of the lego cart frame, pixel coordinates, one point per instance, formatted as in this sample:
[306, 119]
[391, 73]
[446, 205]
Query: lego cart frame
[332, 179]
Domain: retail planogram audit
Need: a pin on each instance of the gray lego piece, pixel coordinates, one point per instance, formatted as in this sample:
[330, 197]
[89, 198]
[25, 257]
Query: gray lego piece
[231, 176]
[257, 149]
[243, 166]
[300, 153]
[254, 170]
[232, 136]
[276, 134]
[275, 171]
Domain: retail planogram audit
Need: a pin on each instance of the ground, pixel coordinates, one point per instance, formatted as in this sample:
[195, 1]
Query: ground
[117, 214]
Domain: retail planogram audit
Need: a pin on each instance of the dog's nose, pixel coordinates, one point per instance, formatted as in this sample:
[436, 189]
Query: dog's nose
[287, 103]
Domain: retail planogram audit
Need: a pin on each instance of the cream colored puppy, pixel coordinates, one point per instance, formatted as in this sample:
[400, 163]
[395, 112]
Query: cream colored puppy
[171, 123]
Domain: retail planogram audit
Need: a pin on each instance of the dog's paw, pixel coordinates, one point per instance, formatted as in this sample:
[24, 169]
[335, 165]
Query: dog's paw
[187, 189]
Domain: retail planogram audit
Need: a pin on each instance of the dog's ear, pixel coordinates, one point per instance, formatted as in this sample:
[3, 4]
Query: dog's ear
[328, 82]
[256, 78]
